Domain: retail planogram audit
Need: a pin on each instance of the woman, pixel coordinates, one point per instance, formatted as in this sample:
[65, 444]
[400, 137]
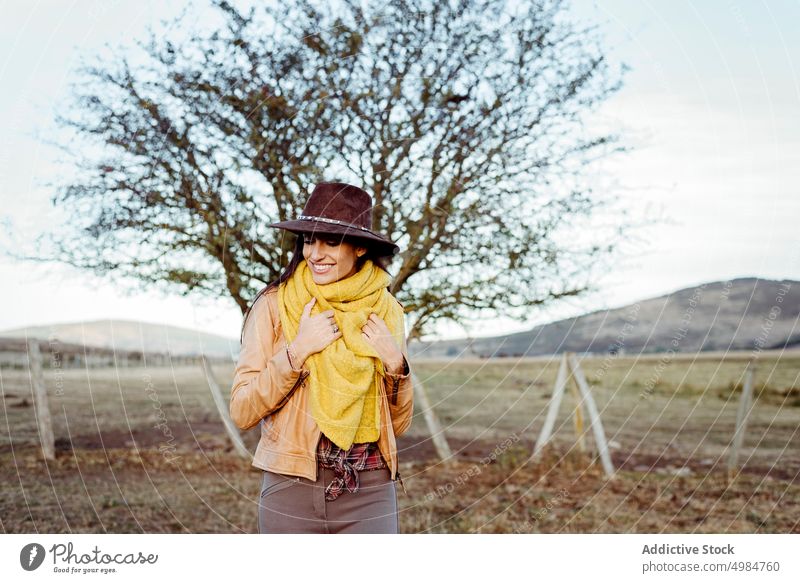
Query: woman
[323, 369]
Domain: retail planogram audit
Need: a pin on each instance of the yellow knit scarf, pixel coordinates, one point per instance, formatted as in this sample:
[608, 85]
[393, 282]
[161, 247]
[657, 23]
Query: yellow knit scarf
[344, 381]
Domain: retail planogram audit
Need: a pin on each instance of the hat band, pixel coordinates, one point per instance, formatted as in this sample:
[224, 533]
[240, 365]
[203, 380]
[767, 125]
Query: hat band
[333, 221]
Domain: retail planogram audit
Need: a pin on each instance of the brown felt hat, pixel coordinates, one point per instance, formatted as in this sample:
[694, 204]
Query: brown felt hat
[341, 209]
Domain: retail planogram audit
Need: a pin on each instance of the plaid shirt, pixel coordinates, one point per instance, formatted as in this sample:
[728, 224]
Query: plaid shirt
[346, 464]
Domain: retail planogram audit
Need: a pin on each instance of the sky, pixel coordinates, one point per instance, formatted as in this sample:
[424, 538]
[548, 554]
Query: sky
[711, 106]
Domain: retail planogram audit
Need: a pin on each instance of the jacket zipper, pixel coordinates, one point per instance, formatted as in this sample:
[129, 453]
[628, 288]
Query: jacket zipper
[386, 409]
[299, 380]
[401, 482]
[394, 391]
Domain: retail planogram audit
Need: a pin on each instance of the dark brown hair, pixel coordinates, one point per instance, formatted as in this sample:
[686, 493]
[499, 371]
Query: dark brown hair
[377, 253]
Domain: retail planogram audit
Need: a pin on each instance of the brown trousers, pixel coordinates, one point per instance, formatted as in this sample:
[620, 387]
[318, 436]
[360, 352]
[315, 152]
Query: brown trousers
[292, 504]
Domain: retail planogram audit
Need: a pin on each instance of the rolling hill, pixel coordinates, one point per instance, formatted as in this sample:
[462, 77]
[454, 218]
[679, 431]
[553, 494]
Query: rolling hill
[132, 335]
[739, 314]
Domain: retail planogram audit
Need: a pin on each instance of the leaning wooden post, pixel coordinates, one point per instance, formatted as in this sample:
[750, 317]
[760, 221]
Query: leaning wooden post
[435, 429]
[40, 403]
[594, 416]
[577, 412]
[224, 412]
[552, 410]
[745, 405]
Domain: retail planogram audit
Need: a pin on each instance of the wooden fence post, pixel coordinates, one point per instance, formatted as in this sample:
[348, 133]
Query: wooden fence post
[745, 406]
[41, 406]
[570, 367]
[552, 409]
[223, 409]
[594, 415]
[577, 413]
[436, 431]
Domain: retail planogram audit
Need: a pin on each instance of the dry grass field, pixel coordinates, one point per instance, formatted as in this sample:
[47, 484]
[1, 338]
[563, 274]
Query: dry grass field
[143, 450]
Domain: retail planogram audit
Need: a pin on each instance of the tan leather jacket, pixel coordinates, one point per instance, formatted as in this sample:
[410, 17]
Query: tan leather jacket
[267, 391]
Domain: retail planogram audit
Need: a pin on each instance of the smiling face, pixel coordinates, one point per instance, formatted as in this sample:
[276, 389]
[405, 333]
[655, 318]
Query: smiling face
[329, 257]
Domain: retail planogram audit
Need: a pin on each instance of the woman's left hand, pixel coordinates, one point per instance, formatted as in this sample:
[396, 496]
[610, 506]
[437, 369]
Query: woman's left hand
[377, 334]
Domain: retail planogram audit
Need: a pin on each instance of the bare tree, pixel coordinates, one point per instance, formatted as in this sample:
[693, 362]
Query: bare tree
[462, 119]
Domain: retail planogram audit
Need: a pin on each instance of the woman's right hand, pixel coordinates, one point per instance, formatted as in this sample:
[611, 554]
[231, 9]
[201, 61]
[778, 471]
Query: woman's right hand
[314, 332]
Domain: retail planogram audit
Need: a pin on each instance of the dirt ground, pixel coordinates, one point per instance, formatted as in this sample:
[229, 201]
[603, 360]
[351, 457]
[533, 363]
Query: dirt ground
[486, 488]
[115, 472]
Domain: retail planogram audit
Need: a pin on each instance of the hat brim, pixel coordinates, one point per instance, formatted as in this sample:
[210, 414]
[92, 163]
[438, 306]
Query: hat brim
[302, 227]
